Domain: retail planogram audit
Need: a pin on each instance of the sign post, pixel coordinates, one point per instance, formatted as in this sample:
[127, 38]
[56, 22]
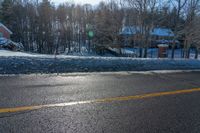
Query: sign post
[90, 36]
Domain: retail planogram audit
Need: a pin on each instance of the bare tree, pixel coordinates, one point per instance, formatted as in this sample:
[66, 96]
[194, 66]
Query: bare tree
[179, 5]
[191, 25]
[107, 24]
[196, 35]
[45, 28]
[145, 10]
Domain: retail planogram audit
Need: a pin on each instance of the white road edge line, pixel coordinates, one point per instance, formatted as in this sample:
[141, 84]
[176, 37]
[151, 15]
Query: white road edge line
[103, 73]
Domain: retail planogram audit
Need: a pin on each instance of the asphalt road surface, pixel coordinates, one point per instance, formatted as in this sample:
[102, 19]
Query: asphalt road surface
[101, 103]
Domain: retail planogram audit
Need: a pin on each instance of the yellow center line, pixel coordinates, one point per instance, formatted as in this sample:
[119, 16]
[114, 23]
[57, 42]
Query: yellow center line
[105, 100]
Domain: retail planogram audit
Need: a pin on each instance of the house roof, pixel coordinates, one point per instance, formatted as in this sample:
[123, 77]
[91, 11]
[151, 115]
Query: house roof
[162, 32]
[6, 28]
[131, 30]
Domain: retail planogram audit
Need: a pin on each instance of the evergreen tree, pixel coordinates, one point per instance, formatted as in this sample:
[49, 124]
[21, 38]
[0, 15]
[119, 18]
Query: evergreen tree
[6, 13]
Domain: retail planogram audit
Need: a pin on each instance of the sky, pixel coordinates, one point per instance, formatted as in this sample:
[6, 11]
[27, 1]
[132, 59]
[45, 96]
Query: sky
[93, 2]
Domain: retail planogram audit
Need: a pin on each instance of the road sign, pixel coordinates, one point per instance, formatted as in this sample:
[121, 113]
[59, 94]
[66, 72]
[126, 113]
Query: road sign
[91, 34]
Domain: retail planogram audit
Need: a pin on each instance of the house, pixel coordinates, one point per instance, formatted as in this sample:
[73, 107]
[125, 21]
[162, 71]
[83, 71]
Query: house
[6, 42]
[159, 35]
[162, 33]
[130, 35]
[4, 31]
[164, 36]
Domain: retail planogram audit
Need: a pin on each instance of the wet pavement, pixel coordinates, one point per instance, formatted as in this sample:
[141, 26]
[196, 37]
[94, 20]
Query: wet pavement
[173, 113]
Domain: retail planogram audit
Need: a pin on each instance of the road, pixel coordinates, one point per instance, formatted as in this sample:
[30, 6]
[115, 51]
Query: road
[101, 103]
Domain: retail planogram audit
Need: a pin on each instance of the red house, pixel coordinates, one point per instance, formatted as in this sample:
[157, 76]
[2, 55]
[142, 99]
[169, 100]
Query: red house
[5, 32]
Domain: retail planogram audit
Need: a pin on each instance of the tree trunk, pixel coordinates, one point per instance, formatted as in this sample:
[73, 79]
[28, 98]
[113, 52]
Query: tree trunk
[173, 49]
[196, 53]
[79, 40]
[145, 52]
[188, 53]
[140, 52]
[182, 53]
[69, 47]
[89, 46]
[185, 49]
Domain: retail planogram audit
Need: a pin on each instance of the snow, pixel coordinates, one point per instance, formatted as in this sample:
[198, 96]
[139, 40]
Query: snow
[167, 41]
[128, 51]
[162, 32]
[3, 41]
[27, 63]
[131, 30]
[6, 53]
[153, 52]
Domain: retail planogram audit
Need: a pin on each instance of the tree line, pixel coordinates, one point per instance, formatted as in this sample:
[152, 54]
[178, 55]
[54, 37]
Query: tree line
[44, 27]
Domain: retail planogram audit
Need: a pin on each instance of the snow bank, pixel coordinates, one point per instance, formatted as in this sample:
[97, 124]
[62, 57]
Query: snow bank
[24, 63]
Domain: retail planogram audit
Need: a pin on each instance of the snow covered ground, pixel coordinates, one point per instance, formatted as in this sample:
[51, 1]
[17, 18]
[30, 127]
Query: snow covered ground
[6, 53]
[153, 53]
[25, 63]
